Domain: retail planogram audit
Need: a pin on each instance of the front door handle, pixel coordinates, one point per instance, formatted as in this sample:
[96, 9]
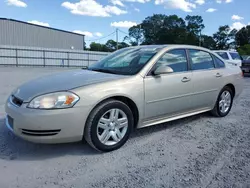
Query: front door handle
[218, 75]
[186, 79]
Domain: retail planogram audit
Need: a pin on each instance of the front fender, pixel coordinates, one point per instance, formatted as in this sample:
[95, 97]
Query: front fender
[130, 87]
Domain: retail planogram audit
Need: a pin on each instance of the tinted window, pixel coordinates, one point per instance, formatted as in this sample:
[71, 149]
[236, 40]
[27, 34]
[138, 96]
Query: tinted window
[218, 63]
[235, 56]
[200, 60]
[223, 55]
[176, 59]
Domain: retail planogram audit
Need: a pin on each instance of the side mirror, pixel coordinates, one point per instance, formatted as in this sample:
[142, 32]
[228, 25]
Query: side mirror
[163, 69]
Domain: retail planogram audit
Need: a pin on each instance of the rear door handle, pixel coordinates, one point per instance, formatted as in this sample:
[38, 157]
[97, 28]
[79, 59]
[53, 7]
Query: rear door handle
[218, 75]
[186, 79]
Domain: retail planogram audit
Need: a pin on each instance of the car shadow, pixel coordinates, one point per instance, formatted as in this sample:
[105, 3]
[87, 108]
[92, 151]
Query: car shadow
[15, 148]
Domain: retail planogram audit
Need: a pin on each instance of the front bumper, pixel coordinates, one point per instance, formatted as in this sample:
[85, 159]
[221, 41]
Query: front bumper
[46, 126]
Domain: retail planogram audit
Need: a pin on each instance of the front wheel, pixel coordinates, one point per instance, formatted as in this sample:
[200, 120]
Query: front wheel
[109, 125]
[224, 102]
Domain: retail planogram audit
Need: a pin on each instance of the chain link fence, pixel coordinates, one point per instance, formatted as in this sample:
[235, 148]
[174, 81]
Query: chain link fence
[28, 56]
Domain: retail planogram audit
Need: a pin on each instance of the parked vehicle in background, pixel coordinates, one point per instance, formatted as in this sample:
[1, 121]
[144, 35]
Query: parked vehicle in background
[231, 57]
[133, 87]
[246, 57]
[245, 67]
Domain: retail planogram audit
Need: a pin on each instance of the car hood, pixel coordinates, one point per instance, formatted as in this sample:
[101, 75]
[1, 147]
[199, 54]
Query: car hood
[61, 82]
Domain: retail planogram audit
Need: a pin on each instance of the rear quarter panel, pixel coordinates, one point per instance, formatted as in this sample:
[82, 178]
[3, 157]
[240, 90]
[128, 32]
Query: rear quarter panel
[233, 75]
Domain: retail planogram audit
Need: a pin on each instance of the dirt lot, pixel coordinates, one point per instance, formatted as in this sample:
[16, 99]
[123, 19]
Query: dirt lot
[200, 151]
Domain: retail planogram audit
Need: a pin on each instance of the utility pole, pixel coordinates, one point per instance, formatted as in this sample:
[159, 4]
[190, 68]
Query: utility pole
[116, 39]
[139, 34]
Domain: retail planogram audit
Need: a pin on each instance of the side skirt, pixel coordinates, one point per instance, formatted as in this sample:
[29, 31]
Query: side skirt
[165, 119]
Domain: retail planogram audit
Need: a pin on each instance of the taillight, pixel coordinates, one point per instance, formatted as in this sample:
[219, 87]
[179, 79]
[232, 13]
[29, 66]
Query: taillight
[242, 74]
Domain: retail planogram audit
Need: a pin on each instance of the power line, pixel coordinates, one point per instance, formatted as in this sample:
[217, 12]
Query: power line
[123, 32]
[127, 35]
[102, 37]
[114, 32]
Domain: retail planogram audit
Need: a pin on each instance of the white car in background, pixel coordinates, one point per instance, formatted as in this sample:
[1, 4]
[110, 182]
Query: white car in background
[231, 57]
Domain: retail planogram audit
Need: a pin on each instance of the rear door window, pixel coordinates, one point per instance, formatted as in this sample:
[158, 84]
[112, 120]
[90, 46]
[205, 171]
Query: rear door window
[200, 60]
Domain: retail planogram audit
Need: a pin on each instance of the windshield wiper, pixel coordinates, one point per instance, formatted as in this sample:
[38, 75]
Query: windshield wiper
[103, 70]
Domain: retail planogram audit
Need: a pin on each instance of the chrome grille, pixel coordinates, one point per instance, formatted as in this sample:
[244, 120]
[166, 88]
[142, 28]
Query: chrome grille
[40, 132]
[245, 64]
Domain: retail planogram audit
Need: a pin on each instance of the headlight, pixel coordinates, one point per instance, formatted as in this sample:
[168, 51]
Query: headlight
[57, 100]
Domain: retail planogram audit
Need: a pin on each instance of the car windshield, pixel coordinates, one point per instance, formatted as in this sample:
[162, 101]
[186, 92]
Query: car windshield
[128, 61]
[235, 56]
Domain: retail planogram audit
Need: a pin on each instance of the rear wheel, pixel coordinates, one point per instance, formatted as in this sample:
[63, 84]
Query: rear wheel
[109, 125]
[224, 102]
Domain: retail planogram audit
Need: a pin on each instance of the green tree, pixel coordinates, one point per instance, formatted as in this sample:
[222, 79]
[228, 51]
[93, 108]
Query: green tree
[224, 37]
[96, 47]
[152, 27]
[122, 45]
[163, 29]
[244, 50]
[135, 35]
[242, 37]
[173, 31]
[194, 26]
[208, 42]
[111, 45]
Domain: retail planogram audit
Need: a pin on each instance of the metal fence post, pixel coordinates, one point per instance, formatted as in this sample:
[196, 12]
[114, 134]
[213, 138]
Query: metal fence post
[43, 58]
[16, 59]
[68, 58]
[88, 59]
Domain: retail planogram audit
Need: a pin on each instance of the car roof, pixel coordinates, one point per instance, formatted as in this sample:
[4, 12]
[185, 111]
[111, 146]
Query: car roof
[225, 51]
[159, 47]
[220, 51]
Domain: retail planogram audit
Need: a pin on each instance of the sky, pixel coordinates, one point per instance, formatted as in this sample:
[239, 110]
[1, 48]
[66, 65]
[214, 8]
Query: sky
[98, 19]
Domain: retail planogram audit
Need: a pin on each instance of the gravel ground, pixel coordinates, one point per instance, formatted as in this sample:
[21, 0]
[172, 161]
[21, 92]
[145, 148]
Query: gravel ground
[199, 151]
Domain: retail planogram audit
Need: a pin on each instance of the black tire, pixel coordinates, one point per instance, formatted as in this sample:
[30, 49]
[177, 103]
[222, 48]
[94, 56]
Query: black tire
[216, 111]
[90, 131]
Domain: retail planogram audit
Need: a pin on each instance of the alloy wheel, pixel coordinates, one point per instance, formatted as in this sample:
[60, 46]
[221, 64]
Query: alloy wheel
[225, 102]
[112, 127]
